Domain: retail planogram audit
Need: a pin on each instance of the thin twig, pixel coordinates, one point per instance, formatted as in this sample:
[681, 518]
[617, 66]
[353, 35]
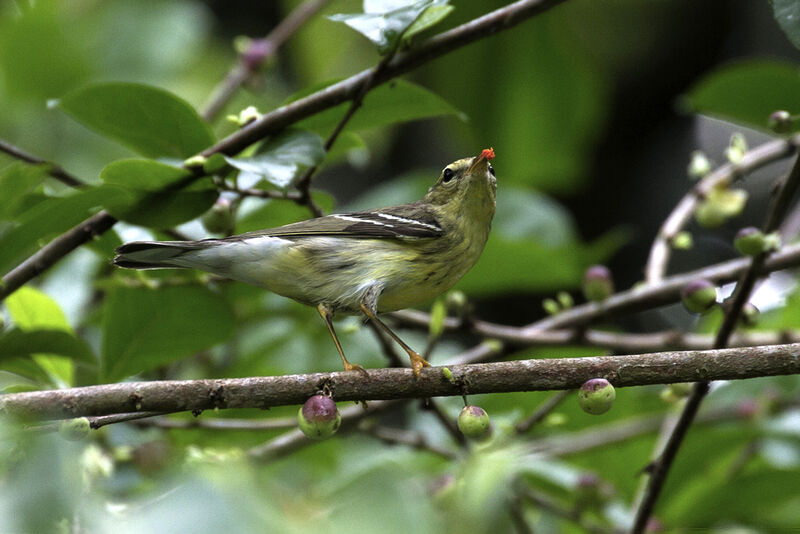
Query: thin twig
[741, 295]
[258, 53]
[621, 342]
[758, 157]
[384, 384]
[548, 505]
[542, 411]
[416, 440]
[304, 184]
[53, 170]
[294, 440]
[56, 249]
[447, 422]
[490, 24]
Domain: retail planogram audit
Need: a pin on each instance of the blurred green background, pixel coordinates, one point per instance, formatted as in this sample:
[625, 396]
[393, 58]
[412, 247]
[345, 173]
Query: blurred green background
[586, 108]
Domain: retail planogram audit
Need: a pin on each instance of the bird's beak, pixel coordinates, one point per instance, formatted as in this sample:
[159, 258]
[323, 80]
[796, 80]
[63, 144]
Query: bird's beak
[486, 155]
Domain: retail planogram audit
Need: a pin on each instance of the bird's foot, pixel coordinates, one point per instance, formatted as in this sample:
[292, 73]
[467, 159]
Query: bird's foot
[417, 363]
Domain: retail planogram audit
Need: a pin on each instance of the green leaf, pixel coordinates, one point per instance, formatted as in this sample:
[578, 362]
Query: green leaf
[45, 219]
[391, 103]
[384, 22]
[747, 92]
[787, 13]
[429, 18]
[155, 194]
[279, 159]
[148, 120]
[32, 311]
[144, 329]
[16, 181]
[18, 343]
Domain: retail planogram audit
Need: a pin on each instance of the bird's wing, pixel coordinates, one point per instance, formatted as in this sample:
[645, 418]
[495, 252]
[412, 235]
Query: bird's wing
[396, 222]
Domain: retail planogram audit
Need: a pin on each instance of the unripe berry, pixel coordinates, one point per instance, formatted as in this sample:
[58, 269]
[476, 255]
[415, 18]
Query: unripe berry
[74, 429]
[750, 241]
[596, 396]
[750, 314]
[699, 296]
[473, 422]
[780, 121]
[681, 389]
[597, 283]
[219, 219]
[319, 418]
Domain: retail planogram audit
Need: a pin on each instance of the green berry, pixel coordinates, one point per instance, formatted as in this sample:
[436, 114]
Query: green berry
[750, 315]
[74, 429]
[780, 121]
[597, 283]
[319, 418]
[596, 396]
[699, 296]
[220, 218]
[750, 241]
[473, 422]
[681, 389]
[457, 303]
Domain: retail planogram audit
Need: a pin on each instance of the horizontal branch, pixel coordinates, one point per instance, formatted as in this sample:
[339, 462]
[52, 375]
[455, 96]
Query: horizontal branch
[53, 170]
[666, 292]
[385, 384]
[618, 341]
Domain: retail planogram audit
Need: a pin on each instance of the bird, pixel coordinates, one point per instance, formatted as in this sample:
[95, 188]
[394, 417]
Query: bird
[366, 262]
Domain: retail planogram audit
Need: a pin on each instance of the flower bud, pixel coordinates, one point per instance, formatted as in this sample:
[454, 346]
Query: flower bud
[750, 241]
[736, 149]
[597, 283]
[473, 422]
[682, 241]
[699, 296]
[551, 306]
[255, 53]
[565, 300]
[780, 121]
[74, 429]
[319, 417]
[220, 218]
[720, 205]
[596, 396]
[699, 165]
[457, 303]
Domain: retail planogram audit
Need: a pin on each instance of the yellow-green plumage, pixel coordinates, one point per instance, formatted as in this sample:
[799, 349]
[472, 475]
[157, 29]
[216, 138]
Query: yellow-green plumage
[373, 261]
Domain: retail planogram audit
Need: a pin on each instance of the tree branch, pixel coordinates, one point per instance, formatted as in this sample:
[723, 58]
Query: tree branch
[385, 384]
[437, 46]
[741, 295]
[56, 249]
[259, 52]
[54, 170]
[661, 249]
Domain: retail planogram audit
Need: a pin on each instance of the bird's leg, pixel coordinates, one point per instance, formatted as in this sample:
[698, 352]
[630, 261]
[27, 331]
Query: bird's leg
[327, 315]
[369, 305]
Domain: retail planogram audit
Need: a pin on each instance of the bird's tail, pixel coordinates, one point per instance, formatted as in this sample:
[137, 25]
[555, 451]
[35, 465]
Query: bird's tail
[156, 254]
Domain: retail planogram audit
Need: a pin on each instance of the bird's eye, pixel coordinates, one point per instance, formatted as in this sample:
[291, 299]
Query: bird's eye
[448, 175]
[491, 169]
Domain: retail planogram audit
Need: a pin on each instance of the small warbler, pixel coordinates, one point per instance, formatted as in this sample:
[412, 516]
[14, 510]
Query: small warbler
[369, 261]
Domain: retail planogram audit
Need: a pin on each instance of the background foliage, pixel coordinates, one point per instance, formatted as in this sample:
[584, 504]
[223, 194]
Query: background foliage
[592, 108]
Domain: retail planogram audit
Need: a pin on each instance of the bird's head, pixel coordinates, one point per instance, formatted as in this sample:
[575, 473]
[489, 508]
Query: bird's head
[466, 184]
